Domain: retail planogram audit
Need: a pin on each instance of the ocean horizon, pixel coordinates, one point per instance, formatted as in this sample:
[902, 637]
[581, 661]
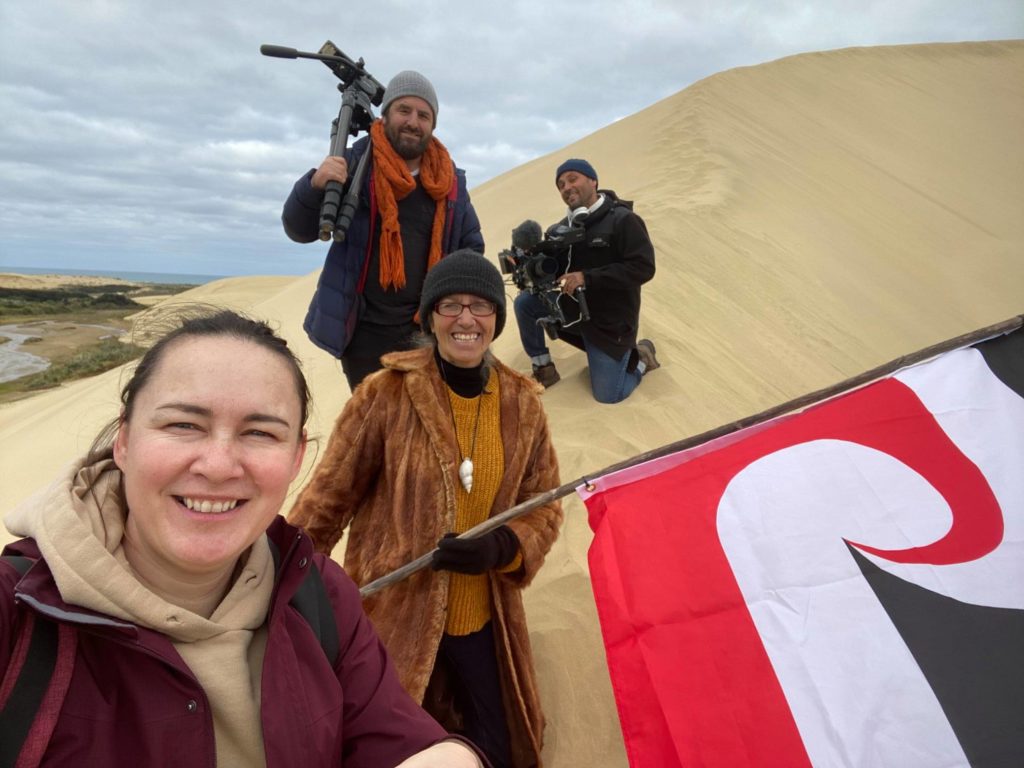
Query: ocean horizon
[163, 278]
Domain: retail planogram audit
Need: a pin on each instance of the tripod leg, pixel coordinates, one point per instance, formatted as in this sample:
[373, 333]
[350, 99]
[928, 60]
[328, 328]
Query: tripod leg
[332, 194]
[351, 201]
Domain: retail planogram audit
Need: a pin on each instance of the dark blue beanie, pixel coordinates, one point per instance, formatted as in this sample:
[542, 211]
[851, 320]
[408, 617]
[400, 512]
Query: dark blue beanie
[580, 166]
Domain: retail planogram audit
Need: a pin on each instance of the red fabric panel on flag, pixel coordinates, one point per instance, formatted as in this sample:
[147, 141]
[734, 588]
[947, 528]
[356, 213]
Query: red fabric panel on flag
[693, 683]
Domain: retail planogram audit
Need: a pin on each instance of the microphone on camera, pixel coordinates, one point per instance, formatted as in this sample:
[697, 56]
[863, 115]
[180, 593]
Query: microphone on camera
[527, 235]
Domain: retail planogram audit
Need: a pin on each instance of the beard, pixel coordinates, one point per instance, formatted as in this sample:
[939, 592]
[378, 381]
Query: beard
[407, 145]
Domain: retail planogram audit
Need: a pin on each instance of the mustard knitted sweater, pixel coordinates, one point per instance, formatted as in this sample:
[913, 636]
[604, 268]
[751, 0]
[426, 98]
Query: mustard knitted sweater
[469, 599]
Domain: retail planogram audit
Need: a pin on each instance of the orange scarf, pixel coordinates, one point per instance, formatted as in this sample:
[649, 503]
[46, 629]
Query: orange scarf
[392, 182]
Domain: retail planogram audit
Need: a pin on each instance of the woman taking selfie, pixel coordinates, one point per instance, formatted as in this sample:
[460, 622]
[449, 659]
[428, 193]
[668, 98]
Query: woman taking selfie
[443, 438]
[187, 622]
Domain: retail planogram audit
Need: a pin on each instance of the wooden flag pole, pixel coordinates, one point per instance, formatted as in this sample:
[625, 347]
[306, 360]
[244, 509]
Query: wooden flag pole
[886, 369]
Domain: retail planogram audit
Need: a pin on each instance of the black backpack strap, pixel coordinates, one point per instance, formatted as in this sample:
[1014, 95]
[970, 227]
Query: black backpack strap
[311, 600]
[313, 604]
[18, 563]
[31, 672]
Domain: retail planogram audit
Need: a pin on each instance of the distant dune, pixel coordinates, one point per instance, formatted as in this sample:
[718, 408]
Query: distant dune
[813, 217]
[42, 282]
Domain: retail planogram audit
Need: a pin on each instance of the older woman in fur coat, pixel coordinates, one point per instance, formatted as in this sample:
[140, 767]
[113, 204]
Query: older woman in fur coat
[441, 439]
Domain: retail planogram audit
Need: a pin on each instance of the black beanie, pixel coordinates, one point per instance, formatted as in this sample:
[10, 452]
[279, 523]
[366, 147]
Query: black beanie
[463, 271]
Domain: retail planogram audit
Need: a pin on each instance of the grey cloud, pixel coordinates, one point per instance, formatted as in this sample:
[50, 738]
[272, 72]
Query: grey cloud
[140, 134]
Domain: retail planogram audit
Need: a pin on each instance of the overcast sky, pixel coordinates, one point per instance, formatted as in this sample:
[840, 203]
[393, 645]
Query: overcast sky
[146, 136]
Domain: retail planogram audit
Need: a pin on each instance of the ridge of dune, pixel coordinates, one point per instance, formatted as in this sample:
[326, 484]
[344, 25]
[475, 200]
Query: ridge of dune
[813, 217]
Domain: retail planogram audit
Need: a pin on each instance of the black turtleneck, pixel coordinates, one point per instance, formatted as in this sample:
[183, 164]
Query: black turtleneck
[465, 382]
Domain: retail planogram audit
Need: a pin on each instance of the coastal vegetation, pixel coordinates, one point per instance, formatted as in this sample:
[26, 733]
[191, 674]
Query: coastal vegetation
[96, 358]
[27, 302]
[18, 304]
[61, 312]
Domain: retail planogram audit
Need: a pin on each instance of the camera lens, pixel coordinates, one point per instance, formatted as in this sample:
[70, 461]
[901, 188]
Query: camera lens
[543, 267]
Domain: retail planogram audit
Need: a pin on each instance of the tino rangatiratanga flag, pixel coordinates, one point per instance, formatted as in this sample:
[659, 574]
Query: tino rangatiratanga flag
[840, 587]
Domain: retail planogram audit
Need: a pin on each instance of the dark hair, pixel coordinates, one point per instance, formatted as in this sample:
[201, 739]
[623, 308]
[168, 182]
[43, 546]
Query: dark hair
[197, 321]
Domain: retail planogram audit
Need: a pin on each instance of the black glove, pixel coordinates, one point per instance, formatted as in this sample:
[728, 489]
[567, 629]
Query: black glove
[492, 550]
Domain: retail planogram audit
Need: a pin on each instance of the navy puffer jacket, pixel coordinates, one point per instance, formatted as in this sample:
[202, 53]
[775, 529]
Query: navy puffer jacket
[333, 310]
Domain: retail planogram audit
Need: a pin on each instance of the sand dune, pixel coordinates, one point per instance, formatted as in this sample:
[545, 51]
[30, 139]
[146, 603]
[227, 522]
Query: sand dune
[814, 217]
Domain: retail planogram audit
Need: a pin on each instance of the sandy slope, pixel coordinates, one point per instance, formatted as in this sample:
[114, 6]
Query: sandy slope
[814, 217]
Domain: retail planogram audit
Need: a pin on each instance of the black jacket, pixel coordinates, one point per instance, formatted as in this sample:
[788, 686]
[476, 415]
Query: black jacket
[616, 258]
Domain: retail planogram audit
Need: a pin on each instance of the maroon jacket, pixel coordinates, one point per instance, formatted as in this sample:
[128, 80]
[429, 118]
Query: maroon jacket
[133, 701]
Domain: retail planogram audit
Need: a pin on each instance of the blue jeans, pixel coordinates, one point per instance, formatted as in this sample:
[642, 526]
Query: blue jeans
[610, 379]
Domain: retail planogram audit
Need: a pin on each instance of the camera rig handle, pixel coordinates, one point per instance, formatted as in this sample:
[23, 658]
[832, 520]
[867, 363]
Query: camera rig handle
[581, 296]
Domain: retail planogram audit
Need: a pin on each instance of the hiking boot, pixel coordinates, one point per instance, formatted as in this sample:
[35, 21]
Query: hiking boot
[546, 374]
[645, 348]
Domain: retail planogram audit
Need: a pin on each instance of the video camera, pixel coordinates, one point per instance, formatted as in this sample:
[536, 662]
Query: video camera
[534, 264]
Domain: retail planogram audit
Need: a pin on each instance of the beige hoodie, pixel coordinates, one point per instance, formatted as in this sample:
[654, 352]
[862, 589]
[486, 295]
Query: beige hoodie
[80, 533]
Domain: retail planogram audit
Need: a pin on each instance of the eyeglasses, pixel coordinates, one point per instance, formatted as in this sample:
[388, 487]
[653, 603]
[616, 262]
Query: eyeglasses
[454, 308]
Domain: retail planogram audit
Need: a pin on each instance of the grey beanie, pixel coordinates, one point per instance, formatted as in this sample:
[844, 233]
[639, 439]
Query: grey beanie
[409, 83]
[463, 271]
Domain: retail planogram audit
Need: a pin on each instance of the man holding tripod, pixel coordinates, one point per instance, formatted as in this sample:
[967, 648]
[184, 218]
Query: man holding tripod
[609, 265]
[414, 209]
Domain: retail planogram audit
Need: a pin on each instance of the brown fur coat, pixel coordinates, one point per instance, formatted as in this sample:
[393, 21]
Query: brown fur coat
[390, 470]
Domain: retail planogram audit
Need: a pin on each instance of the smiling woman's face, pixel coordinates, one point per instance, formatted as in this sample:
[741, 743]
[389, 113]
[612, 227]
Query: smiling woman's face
[463, 340]
[213, 443]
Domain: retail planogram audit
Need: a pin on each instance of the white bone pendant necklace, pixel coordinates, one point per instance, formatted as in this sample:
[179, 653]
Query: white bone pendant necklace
[466, 474]
[466, 467]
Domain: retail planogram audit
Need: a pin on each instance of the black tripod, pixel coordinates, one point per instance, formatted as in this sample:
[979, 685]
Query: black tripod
[359, 91]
